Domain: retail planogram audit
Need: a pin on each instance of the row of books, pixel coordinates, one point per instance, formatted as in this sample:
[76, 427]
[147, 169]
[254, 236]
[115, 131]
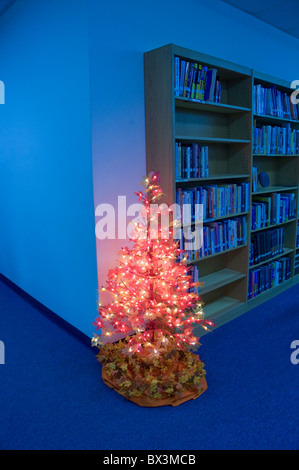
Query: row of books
[297, 237]
[268, 276]
[274, 209]
[213, 238]
[297, 263]
[196, 81]
[272, 102]
[207, 202]
[270, 140]
[265, 245]
[192, 161]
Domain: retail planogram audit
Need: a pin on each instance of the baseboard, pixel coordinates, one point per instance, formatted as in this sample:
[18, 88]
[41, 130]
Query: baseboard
[47, 312]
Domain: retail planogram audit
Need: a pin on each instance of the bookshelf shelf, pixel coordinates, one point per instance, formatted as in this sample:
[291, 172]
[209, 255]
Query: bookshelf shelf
[212, 178]
[214, 219]
[266, 118]
[274, 189]
[268, 80]
[287, 251]
[217, 307]
[275, 155]
[216, 140]
[198, 260]
[219, 279]
[179, 126]
[273, 226]
[209, 106]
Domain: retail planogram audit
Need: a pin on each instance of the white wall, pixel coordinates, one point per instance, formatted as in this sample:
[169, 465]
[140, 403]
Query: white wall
[47, 239]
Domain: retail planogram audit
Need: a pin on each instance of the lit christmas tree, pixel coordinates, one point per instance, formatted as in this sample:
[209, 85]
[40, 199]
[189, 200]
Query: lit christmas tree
[154, 305]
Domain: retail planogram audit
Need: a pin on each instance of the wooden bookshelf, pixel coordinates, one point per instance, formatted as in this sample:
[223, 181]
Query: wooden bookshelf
[219, 279]
[227, 129]
[283, 171]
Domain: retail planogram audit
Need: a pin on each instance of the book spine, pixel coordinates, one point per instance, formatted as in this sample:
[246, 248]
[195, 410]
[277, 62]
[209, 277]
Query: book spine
[177, 76]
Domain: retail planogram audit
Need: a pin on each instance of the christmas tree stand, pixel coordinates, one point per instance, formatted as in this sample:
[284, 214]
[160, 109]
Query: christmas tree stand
[187, 393]
[155, 402]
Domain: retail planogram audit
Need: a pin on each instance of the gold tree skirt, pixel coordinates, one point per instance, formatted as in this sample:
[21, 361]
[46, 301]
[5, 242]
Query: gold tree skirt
[146, 401]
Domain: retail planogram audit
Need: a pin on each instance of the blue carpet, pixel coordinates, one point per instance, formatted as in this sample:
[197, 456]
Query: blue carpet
[52, 395]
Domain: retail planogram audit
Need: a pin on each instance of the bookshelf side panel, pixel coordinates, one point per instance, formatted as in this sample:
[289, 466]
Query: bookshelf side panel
[159, 118]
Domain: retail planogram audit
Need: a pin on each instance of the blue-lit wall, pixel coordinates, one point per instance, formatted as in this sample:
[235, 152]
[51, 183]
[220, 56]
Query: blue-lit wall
[120, 32]
[47, 238]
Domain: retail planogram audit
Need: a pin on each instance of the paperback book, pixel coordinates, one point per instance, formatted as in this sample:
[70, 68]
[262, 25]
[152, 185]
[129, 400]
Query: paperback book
[196, 81]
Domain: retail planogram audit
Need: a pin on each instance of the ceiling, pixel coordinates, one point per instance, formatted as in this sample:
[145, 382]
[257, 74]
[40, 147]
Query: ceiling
[5, 4]
[282, 14]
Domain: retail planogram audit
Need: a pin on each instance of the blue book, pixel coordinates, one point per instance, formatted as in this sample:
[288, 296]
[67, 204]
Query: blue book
[210, 85]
